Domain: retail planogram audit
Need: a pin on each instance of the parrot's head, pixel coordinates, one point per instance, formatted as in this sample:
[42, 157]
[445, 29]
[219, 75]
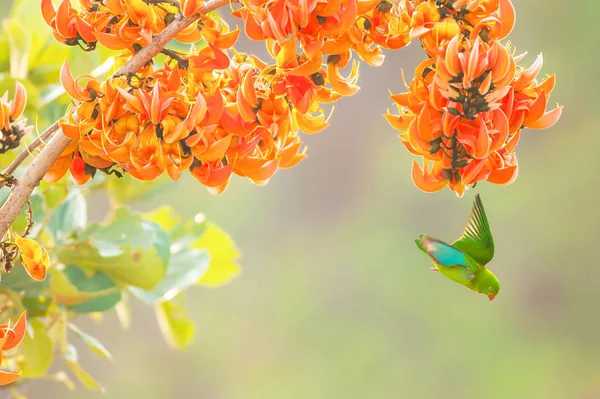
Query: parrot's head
[488, 285]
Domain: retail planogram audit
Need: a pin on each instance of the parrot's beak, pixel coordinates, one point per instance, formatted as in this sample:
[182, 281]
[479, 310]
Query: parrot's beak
[491, 297]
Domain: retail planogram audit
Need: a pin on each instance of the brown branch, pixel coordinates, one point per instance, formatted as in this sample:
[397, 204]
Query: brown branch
[32, 176]
[50, 153]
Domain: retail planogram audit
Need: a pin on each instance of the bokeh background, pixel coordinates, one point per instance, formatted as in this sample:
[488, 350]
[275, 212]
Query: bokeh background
[336, 301]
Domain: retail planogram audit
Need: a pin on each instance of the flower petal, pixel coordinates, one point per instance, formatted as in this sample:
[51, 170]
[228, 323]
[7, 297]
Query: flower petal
[548, 120]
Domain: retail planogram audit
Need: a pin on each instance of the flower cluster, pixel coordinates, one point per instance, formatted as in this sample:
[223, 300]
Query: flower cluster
[216, 116]
[10, 111]
[129, 24]
[436, 22]
[467, 104]
[203, 111]
[11, 337]
[332, 28]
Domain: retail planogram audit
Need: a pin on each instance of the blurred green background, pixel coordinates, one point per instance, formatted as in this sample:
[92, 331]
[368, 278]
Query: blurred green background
[336, 301]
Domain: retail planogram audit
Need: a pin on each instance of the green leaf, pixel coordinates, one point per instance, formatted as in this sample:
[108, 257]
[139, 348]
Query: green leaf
[95, 345]
[164, 217]
[19, 281]
[63, 378]
[8, 83]
[66, 293]
[71, 216]
[177, 328]
[54, 193]
[6, 159]
[223, 254]
[99, 282]
[185, 269]
[37, 350]
[127, 189]
[27, 12]
[46, 71]
[37, 306]
[4, 55]
[124, 312]
[184, 234]
[142, 269]
[129, 250]
[4, 195]
[128, 228]
[19, 41]
[72, 361]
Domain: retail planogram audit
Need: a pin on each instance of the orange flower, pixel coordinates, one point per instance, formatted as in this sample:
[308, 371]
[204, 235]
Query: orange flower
[34, 257]
[11, 133]
[67, 25]
[80, 170]
[11, 337]
[19, 102]
[191, 7]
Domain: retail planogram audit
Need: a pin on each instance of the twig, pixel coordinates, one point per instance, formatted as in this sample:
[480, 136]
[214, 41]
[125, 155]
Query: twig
[25, 153]
[50, 153]
[29, 218]
[159, 42]
[174, 56]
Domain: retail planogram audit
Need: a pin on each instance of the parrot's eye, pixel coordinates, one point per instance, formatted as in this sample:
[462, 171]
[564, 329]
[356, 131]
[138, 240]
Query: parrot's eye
[490, 289]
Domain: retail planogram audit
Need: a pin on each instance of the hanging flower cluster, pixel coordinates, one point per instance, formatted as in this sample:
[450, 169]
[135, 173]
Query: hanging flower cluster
[467, 104]
[125, 24]
[10, 111]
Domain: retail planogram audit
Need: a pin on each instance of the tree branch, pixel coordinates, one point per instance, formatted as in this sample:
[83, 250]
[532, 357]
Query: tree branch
[39, 166]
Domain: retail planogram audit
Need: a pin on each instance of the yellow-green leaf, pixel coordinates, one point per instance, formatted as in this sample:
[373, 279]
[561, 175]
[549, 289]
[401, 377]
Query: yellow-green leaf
[64, 292]
[70, 216]
[19, 41]
[127, 189]
[135, 267]
[54, 193]
[164, 217]
[72, 362]
[124, 311]
[130, 250]
[37, 350]
[223, 254]
[186, 267]
[177, 328]
[64, 378]
[95, 345]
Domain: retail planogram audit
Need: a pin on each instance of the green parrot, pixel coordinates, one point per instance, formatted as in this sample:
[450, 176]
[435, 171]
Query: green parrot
[464, 261]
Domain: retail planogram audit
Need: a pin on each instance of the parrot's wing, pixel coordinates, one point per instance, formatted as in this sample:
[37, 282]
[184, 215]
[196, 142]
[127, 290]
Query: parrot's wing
[447, 256]
[477, 240]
